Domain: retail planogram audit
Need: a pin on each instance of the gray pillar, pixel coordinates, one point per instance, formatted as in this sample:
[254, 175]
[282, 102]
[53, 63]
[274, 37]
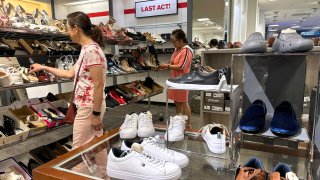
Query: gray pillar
[189, 20]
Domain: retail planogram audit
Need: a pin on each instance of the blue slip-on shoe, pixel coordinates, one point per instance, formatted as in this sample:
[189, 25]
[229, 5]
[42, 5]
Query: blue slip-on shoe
[282, 171]
[253, 120]
[255, 44]
[284, 122]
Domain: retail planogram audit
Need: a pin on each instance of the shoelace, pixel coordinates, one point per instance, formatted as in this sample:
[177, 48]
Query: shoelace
[153, 141]
[144, 121]
[176, 122]
[224, 128]
[152, 160]
[128, 123]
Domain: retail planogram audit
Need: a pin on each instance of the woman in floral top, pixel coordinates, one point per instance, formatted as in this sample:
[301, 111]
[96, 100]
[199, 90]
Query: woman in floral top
[89, 92]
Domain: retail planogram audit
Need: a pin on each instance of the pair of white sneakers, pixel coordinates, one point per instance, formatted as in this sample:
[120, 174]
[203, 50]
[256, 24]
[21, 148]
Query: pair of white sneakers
[135, 124]
[145, 160]
[10, 76]
[215, 137]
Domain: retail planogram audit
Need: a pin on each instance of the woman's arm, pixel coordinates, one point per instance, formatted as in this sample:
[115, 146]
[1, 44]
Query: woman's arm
[169, 66]
[58, 72]
[96, 73]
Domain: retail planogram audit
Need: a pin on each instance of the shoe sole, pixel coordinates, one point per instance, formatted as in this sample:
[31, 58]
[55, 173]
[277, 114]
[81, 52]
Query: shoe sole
[182, 164]
[131, 136]
[143, 134]
[132, 176]
[192, 86]
[177, 138]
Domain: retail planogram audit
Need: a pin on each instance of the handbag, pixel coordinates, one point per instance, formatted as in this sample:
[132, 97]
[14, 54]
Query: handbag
[72, 110]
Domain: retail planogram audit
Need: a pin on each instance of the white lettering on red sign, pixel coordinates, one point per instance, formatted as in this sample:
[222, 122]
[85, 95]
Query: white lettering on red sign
[156, 8]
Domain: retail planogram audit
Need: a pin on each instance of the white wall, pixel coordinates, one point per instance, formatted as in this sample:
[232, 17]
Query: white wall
[62, 11]
[157, 25]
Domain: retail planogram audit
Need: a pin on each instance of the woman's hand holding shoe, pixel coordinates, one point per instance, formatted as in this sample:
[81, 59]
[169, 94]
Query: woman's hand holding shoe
[36, 68]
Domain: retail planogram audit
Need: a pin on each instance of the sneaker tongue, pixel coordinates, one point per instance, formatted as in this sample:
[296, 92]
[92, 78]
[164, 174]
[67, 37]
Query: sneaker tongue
[291, 176]
[137, 148]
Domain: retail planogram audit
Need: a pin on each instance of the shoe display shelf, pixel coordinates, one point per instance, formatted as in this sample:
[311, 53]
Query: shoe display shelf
[193, 137]
[64, 166]
[276, 78]
[13, 33]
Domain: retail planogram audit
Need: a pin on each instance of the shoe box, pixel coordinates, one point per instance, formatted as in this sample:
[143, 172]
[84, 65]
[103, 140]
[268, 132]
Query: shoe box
[11, 164]
[38, 108]
[22, 113]
[32, 47]
[214, 101]
[61, 104]
[43, 154]
[18, 136]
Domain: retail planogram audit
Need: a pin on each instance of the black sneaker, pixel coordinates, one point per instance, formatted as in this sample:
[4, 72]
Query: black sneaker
[196, 80]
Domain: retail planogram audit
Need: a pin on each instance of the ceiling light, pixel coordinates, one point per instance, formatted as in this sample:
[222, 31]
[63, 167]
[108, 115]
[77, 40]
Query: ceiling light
[274, 25]
[203, 19]
[272, 0]
[82, 2]
[272, 30]
[294, 27]
[206, 24]
[227, 4]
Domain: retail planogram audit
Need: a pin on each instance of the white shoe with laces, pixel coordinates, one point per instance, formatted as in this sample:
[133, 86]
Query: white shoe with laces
[176, 128]
[215, 136]
[136, 165]
[128, 129]
[151, 147]
[145, 125]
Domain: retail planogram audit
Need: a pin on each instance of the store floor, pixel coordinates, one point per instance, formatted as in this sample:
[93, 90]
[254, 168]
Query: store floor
[202, 166]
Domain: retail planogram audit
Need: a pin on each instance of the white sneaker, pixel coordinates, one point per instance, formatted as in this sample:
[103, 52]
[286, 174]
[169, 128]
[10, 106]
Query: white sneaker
[128, 129]
[151, 147]
[145, 126]
[215, 137]
[135, 165]
[158, 38]
[15, 75]
[176, 128]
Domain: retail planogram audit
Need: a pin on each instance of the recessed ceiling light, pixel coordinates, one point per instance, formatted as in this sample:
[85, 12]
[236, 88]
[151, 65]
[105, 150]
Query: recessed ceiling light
[273, 25]
[272, 30]
[203, 19]
[227, 4]
[272, 0]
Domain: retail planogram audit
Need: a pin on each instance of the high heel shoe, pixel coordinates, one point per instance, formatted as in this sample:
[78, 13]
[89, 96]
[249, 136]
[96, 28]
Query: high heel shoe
[4, 19]
[11, 12]
[37, 16]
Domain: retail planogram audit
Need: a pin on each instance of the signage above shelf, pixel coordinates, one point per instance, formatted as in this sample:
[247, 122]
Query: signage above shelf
[156, 8]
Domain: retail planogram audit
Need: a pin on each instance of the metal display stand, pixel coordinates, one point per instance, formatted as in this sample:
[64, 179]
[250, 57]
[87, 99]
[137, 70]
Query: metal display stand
[274, 78]
[195, 138]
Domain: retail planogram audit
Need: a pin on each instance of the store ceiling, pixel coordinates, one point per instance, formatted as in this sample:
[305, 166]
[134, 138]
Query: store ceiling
[206, 9]
[290, 13]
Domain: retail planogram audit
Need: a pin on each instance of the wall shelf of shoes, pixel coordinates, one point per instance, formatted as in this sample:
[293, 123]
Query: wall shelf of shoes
[275, 106]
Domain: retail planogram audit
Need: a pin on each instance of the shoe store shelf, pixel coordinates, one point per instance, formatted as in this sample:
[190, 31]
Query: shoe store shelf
[50, 136]
[28, 85]
[302, 136]
[217, 112]
[130, 73]
[13, 33]
[135, 101]
[216, 88]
